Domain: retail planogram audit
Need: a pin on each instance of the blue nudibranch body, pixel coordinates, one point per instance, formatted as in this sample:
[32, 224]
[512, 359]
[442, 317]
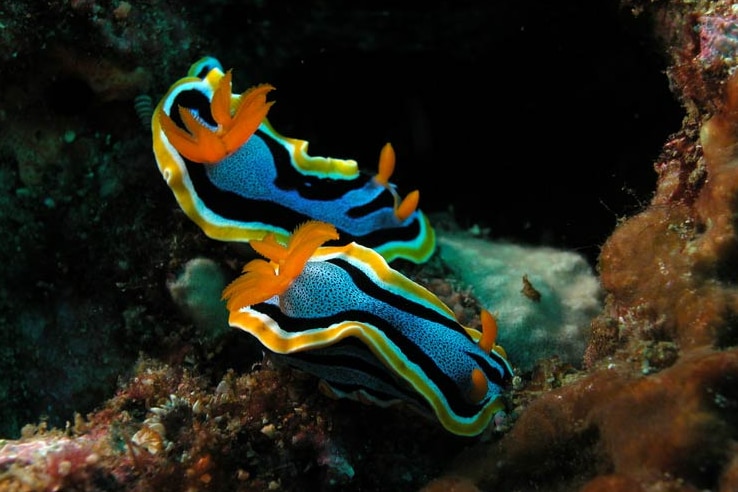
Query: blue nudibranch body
[367, 331]
[239, 179]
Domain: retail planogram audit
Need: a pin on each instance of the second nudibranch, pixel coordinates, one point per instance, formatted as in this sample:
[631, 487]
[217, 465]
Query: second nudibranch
[367, 331]
[239, 179]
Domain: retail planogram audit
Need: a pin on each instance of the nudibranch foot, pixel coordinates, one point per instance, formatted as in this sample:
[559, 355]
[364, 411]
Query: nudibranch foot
[239, 180]
[367, 331]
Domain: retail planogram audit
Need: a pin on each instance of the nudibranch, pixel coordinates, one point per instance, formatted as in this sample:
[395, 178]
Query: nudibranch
[368, 332]
[239, 179]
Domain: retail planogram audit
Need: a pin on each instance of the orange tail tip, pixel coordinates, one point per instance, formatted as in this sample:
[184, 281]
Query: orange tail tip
[204, 145]
[262, 279]
[479, 386]
[386, 165]
[489, 331]
[408, 205]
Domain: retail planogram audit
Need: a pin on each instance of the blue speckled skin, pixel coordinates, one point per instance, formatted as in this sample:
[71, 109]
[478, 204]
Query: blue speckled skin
[372, 334]
[251, 173]
[271, 185]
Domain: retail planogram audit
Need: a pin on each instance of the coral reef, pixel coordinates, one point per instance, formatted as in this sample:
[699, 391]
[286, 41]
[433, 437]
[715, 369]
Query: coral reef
[673, 428]
[74, 217]
[543, 298]
[94, 250]
[197, 291]
[167, 429]
[654, 409]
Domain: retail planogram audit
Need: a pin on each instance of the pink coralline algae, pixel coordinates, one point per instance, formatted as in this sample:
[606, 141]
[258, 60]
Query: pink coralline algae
[718, 38]
[48, 464]
[167, 429]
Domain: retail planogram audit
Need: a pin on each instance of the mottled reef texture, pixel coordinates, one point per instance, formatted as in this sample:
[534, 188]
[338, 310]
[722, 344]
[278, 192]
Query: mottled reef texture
[656, 407]
[98, 315]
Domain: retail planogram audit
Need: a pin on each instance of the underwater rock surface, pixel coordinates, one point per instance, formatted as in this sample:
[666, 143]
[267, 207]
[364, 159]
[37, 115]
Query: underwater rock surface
[93, 241]
[543, 298]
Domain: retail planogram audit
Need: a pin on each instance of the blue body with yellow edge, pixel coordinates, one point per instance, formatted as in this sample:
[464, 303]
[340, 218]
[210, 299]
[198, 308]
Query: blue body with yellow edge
[268, 183]
[325, 300]
[367, 331]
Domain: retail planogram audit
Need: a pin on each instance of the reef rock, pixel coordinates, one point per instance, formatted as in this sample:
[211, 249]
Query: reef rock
[655, 407]
[543, 298]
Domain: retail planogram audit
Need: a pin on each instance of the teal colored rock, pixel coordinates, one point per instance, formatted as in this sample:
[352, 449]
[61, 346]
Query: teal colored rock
[543, 298]
[197, 291]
